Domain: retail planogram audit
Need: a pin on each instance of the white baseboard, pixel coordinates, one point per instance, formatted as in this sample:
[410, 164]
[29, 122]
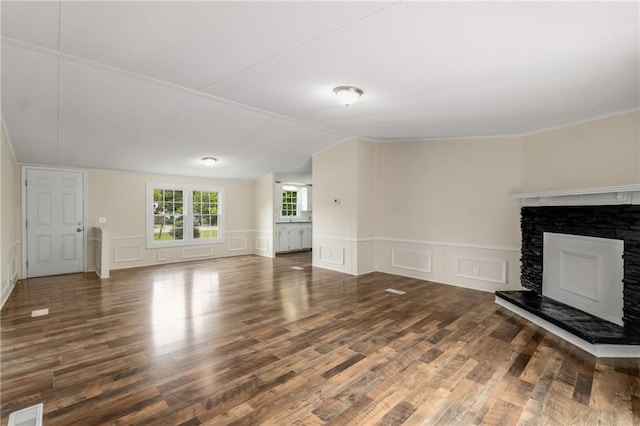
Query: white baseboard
[7, 293]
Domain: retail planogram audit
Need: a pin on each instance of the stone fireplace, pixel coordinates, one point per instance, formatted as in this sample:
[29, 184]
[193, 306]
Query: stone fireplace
[580, 261]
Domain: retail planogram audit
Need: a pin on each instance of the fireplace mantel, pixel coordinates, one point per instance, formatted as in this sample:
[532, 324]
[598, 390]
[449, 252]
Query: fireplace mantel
[604, 195]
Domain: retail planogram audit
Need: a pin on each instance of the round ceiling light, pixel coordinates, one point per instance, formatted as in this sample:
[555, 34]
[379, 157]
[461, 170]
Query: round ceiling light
[209, 161]
[347, 95]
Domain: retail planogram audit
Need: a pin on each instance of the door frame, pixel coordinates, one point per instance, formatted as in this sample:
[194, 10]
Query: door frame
[23, 193]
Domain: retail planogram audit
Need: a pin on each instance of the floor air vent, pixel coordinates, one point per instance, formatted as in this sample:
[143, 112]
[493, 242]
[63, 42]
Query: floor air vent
[394, 291]
[40, 312]
[30, 416]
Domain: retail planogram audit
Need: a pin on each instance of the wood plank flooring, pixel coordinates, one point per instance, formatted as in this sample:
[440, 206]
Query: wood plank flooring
[249, 340]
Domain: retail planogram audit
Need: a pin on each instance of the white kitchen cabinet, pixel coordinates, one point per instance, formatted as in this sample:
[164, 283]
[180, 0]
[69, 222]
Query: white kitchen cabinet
[294, 236]
[306, 235]
[283, 238]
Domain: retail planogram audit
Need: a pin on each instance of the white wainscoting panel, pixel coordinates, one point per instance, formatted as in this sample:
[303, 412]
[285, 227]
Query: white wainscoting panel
[127, 253]
[493, 271]
[162, 256]
[236, 243]
[195, 252]
[11, 266]
[5, 287]
[365, 256]
[332, 254]
[8, 271]
[413, 260]
[262, 244]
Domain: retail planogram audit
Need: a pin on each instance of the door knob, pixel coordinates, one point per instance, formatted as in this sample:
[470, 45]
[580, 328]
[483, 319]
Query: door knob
[79, 229]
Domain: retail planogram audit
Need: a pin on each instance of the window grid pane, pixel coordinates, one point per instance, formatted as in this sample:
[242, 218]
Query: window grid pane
[205, 215]
[289, 203]
[168, 219]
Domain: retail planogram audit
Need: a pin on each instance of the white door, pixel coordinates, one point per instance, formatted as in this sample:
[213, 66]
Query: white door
[55, 222]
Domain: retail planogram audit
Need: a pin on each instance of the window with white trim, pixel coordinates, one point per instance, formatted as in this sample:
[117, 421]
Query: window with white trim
[289, 202]
[293, 200]
[179, 215]
[205, 215]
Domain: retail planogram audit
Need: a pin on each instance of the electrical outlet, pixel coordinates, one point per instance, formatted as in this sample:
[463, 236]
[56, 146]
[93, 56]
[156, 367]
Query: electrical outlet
[476, 270]
[102, 219]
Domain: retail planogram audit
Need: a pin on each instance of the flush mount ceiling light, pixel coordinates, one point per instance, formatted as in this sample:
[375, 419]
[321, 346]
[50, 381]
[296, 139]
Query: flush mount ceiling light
[209, 161]
[347, 95]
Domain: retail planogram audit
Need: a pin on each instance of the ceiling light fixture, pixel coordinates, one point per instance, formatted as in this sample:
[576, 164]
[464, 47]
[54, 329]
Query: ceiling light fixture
[209, 161]
[347, 95]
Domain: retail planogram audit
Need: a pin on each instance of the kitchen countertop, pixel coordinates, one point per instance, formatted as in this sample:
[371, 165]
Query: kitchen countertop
[293, 222]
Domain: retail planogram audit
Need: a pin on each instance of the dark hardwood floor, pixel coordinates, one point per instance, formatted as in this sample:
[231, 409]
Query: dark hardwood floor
[249, 340]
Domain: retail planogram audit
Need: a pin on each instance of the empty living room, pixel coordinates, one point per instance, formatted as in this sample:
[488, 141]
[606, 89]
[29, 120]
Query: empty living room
[311, 212]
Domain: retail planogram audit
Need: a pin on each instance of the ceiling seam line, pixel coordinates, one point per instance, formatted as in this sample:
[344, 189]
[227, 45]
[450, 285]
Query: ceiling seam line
[286, 51]
[164, 128]
[59, 25]
[7, 134]
[167, 84]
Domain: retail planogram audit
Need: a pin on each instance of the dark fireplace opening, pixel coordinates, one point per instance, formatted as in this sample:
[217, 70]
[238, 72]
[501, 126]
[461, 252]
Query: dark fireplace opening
[620, 222]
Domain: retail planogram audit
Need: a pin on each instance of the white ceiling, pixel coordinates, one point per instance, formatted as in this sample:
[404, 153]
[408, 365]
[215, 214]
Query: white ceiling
[154, 86]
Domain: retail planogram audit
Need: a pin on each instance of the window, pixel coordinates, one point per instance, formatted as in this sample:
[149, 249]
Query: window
[293, 200]
[289, 203]
[183, 215]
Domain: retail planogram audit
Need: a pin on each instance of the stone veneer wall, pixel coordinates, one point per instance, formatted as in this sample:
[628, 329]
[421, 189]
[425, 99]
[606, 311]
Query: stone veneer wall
[618, 222]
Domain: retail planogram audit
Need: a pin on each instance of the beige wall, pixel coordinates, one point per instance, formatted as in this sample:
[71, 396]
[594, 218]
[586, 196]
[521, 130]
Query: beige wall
[437, 210]
[441, 209]
[444, 212]
[10, 229]
[335, 226]
[334, 177]
[120, 197]
[454, 191]
[263, 222]
[366, 209]
[602, 152]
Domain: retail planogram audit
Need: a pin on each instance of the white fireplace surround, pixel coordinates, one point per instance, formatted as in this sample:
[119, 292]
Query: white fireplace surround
[584, 272]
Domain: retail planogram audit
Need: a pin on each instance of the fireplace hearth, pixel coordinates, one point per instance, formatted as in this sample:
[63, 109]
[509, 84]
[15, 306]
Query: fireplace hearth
[587, 327]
